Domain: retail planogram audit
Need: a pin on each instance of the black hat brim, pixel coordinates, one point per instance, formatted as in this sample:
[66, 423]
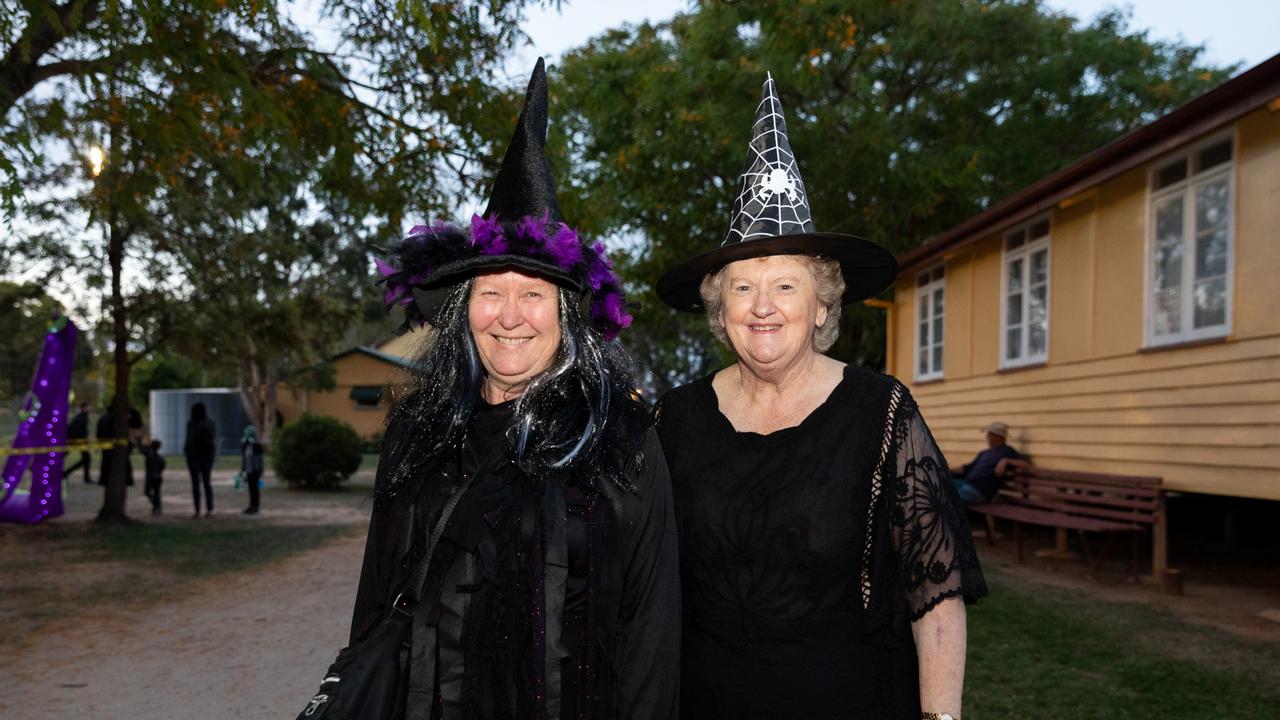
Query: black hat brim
[867, 267]
[431, 295]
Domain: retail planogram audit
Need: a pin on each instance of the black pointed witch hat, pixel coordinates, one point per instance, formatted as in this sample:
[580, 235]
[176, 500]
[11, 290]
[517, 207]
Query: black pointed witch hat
[523, 186]
[521, 229]
[771, 217]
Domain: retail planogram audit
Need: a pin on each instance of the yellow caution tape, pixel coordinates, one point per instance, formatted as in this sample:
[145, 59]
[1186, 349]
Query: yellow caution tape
[69, 447]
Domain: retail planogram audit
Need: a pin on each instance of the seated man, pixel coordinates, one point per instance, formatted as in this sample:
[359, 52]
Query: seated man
[978, 481]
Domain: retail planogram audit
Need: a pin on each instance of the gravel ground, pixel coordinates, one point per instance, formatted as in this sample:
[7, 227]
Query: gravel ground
[249, 645]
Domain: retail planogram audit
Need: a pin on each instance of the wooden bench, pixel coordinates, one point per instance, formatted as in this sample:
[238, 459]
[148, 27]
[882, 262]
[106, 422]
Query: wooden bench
[1084, 502]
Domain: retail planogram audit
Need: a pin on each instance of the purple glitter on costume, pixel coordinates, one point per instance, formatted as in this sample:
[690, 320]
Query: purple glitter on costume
[565, 248]
[418, 230]
[384, 267]
[486, 233]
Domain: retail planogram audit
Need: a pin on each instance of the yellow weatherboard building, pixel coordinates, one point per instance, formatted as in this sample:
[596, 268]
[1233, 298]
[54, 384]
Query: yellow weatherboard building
[363, 378]
[1122, 314]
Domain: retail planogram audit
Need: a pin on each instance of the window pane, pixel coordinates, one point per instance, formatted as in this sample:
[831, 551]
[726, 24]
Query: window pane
[937, 301]
[1015, 239]
[1170, 174]
[924, 361]
[1013, 343]
[1013, 310]
[1214, 155]
[1039, 267]
[1211, 303]
[1038, 306]
[1168, 259]
[1036, 339]
[924, 307]
[922, 279]
[937, 273]
[1040, 229]
[937, 358]
[937, 329]
[1169, 220]
[1211, 253]
[1211, 205]
[1168, 310]
[1168, 265]
[1015, 276]
[924, 334]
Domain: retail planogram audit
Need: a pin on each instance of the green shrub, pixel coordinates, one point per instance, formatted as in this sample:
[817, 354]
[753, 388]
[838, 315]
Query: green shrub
[373, 443]
[315, 452]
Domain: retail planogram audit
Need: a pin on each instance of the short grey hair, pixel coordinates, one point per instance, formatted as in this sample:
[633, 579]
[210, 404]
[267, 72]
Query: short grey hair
[828, 282]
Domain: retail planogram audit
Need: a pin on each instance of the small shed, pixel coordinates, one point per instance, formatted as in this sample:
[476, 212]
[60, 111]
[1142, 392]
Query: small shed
[170, 410]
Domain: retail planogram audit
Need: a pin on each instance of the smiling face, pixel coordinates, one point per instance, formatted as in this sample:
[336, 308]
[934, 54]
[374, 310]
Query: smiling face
[770, 310]
[515, 321]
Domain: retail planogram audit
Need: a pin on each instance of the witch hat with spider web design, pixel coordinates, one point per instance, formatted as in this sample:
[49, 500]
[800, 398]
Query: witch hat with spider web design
[771, 217]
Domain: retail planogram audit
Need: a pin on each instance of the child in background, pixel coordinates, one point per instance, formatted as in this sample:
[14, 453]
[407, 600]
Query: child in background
[155, 474]
[251, 466]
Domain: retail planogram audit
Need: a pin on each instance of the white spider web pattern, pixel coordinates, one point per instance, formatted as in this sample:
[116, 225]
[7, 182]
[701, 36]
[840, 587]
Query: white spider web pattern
[771, 197]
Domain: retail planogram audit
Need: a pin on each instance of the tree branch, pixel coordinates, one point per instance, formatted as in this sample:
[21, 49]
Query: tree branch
[19, 71]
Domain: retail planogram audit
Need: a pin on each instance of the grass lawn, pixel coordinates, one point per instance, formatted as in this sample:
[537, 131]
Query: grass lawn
[1039, 651]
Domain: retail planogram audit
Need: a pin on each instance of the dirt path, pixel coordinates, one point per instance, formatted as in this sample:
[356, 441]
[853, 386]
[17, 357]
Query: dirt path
[250, 645]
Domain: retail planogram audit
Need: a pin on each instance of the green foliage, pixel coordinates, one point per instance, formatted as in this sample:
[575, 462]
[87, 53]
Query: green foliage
[315, 451]
[162, 371]
[906, 117]
[25, 315]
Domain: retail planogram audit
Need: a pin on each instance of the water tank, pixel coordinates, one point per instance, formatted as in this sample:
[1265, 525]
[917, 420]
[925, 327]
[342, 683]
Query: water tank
[171, 408]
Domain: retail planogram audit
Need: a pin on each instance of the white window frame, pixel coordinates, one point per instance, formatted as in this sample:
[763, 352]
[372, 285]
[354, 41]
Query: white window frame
[1186, 188]
[1024, 253]
[924, 297]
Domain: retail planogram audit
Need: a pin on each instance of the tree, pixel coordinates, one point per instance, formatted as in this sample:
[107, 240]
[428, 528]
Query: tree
[25, 315]
[162, 371]
[218, 89]
[906, 117]
[276, 293]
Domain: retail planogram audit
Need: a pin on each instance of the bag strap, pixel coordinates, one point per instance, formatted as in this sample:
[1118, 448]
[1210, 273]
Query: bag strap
[412, 592]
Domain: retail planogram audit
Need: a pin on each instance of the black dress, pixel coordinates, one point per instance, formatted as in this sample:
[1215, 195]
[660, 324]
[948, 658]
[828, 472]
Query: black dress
[806, 553]
[518, 549]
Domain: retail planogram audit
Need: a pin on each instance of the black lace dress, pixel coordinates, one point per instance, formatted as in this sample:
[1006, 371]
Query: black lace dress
[806, 553]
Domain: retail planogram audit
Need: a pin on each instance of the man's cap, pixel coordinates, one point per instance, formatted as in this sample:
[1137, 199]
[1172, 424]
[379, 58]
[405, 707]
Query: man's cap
[997, 428]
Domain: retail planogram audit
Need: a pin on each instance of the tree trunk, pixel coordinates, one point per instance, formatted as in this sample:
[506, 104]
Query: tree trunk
[113, 500]
[250, 387]
[270, 402]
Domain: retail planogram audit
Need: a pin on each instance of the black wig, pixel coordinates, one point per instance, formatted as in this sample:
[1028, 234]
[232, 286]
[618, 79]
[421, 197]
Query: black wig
[582, 417]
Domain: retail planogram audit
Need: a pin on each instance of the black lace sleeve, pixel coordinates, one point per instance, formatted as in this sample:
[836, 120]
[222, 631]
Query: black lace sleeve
[931, 535]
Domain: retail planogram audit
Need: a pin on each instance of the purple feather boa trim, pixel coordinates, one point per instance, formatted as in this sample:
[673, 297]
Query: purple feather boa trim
[427, 248]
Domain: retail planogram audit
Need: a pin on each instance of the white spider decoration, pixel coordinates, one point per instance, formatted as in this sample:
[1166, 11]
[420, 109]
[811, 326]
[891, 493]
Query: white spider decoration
[778, 182]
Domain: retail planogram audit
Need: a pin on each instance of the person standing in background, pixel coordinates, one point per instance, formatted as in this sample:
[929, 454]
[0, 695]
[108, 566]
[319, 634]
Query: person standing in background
[154, 474]
[251, 466]
[200, 450]
[106, 431]
[78, 431]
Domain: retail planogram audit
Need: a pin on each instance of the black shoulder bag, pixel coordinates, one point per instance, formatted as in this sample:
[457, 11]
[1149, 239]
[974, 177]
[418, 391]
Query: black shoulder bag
[370, 680]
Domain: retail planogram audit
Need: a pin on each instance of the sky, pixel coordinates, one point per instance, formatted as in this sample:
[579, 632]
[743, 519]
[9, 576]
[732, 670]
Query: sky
[1232, 31]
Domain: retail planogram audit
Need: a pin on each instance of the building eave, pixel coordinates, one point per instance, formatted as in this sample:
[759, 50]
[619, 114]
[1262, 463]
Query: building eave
[1238, 96]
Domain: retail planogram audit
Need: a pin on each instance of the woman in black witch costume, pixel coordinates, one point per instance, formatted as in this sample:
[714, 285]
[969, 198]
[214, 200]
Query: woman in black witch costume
[823, 551]
[552, 592]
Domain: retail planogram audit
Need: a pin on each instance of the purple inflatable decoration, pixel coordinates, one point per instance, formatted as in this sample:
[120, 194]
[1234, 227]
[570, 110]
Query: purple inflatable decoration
[44, 424]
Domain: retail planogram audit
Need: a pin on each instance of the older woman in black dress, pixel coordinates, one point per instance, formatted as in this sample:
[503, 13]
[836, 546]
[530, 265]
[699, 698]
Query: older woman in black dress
[521, 446]
[825, 558]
